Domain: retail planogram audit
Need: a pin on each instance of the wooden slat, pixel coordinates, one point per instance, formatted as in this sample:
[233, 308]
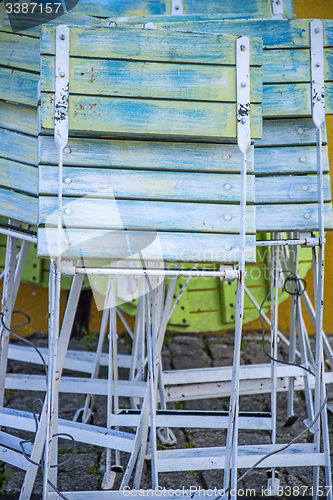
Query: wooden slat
[156, 215]
[18, 51]
[190, 247]
[105, 8]
[289, 132]
[151, 45]
[275, 33]
[18, 206]
[137, 117]
[288, 160]
[18, 176]
[291, 217]
[19, 118]
[19, 147]
[290, 189]
[173, 186]
[150, 80]
[152, 155]
[18, 86]
[140, 21]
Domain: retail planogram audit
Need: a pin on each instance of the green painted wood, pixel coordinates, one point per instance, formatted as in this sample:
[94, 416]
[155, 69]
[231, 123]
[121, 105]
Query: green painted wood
[141, 21]
[146, 185]
[18, 118]
[288, 160]
[19, 147]
[151, 80]
[288, 132]
[276, 34]
[18, 206]
[156, 215]
[102, 244]
[18, 51]
[18, 176]
[143, 117]
[18, 86]
[154, 155]
[290, 189]
[151, 45]
[287, 217]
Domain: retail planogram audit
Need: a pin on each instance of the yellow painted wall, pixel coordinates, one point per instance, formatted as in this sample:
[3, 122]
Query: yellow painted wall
[33, 300]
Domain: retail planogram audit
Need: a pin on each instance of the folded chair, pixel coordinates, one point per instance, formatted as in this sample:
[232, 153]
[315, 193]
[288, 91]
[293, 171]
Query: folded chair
[185, 104]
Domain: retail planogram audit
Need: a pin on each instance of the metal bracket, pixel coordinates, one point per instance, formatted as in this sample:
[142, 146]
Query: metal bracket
[61, 85]
[177, 7]
[317, 73]
[277, 9]
[243, 93]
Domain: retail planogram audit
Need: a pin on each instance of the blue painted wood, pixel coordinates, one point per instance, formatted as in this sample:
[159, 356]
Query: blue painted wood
[19, 147]
[106, 244]
[288, 160]
[289, 217]
[290, 189]
[18, 176]
[18, 118]
[18, 206]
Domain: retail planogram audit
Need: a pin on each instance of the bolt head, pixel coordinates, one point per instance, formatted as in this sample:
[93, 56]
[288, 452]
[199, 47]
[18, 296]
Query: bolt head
[68, 211]
[243, 84]
[277, 2]
[67, 150]
[300, 131]
[177, 7]
[317, 30]
[111, 24]
[62, 74]
[62, 37]
[305, 188]
[302, 159]
[226, 157]
[243, 121]
[318, 98]
[227, 217]
[307, 216]
[68, 180]
[242, 47]
[317, 64]
[227, 248]
[227, 187]
[62, 111]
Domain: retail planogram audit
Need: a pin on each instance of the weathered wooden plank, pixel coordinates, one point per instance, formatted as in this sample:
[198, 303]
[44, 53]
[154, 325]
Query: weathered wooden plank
[154, 155]
[18, 117]
[275, 33]
[19, 176]
[151, 45]
[19, 147]
[18, 206]
[191, 247]
[69, 19]
[18, 86]
[289, 132]
[105, 8]
[288, 160]
[287, 100]
[141, 21]
[294, 217]
[19, 51]
[138, 117]
[290, 189]
[146, 185]
[150, 80]
[154, 215]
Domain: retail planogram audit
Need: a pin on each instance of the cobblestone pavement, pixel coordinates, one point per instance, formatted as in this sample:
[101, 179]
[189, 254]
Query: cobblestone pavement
[84, 471]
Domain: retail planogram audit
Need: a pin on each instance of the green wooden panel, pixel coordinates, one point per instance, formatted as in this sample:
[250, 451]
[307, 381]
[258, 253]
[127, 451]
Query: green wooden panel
[276, 34]
[288, 159]
[18, 206]
[19, 118]
[19, 147]
[150, 80]
[192, 247]
[176, 186]
[18, 176]
[292, 217]
[290, 189]
[19, 51]
[18, 86]
[138, 117]
[289, 132]
[151, 45]
[155, 215]
[193, 157]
